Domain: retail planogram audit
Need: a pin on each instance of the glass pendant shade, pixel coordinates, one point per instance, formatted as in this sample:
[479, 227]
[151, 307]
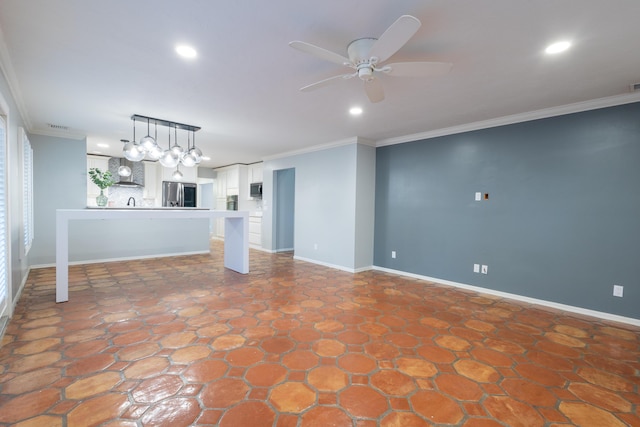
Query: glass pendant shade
[148, 143]
[124, 171]
[189, 160]
[177, 175]
[132, 152]
[169, 159]
[155, 153]
[177, 150]
[196, 153]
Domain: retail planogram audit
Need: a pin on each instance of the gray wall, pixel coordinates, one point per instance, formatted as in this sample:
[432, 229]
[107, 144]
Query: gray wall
[365, 205]
[326, 188]
[59, 182]
[562, 222]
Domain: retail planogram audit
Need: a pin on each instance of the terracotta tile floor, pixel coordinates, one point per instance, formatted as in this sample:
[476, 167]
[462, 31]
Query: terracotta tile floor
[182, 341]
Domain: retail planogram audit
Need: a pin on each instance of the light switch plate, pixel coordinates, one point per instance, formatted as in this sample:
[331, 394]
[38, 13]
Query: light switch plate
[476, 268]
[478, 196]
[485, 269]
[618, 291]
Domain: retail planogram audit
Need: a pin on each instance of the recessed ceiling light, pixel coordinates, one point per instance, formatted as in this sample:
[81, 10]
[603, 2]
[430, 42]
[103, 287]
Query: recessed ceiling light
[96, 152]
[558, 47]
[186, 51]
[206, 158]
[355, 111]
[102, 145]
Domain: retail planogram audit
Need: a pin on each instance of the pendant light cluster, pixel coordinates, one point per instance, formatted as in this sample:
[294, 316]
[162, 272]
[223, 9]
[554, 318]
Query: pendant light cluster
[149, 147]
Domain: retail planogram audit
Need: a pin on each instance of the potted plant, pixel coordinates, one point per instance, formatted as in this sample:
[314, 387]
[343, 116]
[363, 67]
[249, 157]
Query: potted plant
[102, 180]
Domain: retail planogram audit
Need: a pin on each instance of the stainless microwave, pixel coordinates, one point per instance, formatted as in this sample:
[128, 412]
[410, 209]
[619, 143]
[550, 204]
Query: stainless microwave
[255, 190]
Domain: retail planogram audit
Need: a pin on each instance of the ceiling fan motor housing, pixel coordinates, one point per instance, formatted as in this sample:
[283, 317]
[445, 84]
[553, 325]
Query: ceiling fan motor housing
[358, 50]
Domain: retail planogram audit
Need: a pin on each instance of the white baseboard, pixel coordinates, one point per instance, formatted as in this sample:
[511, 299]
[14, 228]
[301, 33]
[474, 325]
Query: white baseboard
[260, 248]
[565, 307]
[20, 289]
[337, 267]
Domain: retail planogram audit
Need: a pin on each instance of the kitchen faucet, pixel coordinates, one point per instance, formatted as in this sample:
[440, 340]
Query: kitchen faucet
[129, 202]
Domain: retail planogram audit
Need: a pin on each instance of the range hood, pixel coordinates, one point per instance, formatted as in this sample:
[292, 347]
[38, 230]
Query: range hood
[136, 179]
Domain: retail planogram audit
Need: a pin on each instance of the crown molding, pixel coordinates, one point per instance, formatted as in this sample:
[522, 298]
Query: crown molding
[578, 107]
[6, 66]
[320, 147]
[58, 133]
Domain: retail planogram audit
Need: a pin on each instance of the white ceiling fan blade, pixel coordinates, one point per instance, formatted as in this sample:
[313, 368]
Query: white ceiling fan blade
[417, 69]
[395, 37]
[326, 82]
[374, 90]
[319, 52]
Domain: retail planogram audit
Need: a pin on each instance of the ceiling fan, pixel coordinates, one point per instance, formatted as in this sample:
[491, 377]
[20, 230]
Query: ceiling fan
[366, 56]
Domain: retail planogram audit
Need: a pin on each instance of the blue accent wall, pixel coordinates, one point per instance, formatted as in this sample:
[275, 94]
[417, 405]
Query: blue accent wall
[562, 222]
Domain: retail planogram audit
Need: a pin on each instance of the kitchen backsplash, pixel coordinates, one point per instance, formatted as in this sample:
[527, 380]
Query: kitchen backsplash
[119, 196]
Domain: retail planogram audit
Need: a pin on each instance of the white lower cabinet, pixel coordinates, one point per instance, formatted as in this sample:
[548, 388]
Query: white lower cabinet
[255, 230]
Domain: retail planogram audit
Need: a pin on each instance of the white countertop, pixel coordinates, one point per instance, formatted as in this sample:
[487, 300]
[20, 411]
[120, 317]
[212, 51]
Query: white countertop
[143, 213]
[145, 208]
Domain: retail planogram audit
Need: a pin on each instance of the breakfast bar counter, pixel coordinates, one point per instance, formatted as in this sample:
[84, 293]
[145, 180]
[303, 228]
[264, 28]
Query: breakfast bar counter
[236, 242]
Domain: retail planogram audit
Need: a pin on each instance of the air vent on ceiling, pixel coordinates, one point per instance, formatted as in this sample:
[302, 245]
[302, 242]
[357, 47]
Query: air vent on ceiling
[634, 87]
[58, 127]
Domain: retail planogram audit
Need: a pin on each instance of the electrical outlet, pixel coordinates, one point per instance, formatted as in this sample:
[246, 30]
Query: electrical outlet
[618, 290]
[393, 254]
[476, 268]
[484, 269]
[315, 246]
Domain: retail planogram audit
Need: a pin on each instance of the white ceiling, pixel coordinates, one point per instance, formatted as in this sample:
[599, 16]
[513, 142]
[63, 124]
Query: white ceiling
[89, 65]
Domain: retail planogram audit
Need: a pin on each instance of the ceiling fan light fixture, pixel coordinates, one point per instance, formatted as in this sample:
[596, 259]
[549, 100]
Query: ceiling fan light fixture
[365, 73]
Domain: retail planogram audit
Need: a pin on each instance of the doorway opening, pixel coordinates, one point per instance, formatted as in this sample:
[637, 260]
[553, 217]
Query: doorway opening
[284, 181]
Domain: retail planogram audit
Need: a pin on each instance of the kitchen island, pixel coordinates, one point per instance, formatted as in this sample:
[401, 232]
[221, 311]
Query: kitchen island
[236, 242]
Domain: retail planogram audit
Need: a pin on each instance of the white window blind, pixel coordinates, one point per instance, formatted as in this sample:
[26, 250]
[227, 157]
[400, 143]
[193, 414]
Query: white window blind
[3, 214]
[27, 191]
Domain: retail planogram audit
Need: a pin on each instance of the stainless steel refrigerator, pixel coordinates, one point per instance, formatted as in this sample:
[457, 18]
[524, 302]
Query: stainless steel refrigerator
[179, 194]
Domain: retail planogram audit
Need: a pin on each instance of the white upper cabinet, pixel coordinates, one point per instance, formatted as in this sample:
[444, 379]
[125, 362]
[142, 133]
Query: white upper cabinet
[254, 172]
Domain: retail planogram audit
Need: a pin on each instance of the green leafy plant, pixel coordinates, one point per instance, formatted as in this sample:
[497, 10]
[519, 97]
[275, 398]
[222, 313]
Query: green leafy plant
[101, 179]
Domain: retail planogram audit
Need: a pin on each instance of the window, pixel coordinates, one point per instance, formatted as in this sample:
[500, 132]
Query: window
[4, 280]
[27, 191]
